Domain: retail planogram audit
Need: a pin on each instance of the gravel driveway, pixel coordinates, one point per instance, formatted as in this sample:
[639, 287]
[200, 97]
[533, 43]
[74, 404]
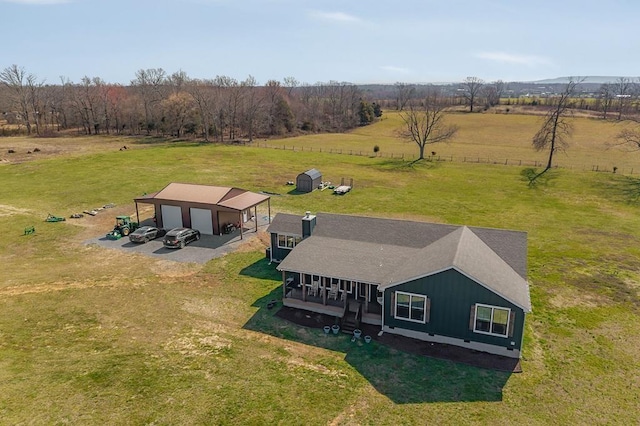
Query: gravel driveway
[206, 248]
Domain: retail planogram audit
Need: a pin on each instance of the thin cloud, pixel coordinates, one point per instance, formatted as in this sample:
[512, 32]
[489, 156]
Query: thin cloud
[45, 2]
[508, 58]
[394, 69]
[334, 16]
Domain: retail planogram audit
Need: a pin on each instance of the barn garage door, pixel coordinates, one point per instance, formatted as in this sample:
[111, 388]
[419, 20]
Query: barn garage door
[201, 220]
[171, 217]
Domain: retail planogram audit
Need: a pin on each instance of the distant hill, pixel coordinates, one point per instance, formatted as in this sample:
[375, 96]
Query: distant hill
[594, 79]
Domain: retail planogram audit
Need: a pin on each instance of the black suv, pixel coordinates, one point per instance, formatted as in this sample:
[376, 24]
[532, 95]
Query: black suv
[180, 237]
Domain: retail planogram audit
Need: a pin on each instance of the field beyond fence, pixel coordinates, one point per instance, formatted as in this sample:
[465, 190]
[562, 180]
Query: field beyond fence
[451, 158]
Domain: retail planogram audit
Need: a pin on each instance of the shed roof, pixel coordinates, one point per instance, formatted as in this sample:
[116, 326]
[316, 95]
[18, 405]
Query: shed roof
[206, 194]
[313, 174]
[389, 252]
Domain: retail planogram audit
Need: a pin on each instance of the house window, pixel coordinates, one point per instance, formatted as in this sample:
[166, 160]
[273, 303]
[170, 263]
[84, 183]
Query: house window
[492, 320]
[288, 241]
[410, 307]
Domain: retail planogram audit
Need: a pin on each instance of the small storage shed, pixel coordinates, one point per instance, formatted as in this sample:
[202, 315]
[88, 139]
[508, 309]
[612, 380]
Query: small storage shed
[308, 181]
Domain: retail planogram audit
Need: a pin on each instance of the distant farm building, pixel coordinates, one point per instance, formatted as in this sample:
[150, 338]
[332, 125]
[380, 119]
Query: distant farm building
[308, 181]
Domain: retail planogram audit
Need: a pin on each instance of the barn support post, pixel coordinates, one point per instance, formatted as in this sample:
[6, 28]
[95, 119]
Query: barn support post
[255, 216]
[137, 214]
[240, 222]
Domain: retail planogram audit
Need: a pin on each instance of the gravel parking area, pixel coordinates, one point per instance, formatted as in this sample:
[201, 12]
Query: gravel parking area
[206, 248]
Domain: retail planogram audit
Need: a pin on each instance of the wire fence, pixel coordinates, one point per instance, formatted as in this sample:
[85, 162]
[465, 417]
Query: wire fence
[627, 171]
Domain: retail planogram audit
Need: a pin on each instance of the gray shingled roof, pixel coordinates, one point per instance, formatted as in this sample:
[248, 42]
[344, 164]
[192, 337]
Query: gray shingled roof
[284, 223]
[313, 173]
[388, 252]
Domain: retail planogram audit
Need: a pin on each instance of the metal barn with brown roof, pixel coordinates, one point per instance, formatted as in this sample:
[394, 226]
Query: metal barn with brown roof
[209, 209]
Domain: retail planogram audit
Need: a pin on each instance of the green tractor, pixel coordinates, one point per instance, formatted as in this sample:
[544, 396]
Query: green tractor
[124, 226]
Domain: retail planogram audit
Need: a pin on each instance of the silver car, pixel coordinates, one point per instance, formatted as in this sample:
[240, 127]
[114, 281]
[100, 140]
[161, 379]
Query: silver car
[145, 234]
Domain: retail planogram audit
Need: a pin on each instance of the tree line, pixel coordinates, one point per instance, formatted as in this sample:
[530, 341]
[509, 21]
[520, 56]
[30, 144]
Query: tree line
[162, 104]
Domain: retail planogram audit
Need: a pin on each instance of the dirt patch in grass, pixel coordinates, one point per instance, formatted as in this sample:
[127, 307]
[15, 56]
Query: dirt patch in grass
[6, 210]
[255, 244]
[568, 298]
[609, 285]
[14, 150]
[408, 345]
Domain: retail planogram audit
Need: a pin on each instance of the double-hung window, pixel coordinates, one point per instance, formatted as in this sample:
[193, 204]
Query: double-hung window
[492, 320]
[411, 307]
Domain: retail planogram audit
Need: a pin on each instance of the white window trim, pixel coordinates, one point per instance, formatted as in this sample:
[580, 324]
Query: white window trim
[424, 307]
[286, 236]
[488, 333]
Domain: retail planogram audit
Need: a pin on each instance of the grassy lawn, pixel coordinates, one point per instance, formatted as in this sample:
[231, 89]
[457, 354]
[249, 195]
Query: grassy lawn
[485, 138]
[93, 336]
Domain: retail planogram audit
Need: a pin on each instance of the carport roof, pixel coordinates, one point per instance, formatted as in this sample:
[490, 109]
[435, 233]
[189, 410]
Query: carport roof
[206, 194]
[244, 201]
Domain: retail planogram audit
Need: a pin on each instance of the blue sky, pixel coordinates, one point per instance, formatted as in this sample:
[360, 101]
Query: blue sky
[411, 41]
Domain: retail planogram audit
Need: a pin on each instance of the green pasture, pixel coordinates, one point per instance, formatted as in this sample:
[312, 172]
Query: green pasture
[500, 138]
[96, 336]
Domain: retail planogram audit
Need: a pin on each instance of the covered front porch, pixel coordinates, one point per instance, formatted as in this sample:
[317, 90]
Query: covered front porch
[333, 296]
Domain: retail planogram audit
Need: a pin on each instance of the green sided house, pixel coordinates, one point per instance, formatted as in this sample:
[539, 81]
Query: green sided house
[458, 285]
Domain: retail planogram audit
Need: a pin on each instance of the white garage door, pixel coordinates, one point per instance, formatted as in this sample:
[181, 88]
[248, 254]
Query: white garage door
[201, 220]
[171, 216]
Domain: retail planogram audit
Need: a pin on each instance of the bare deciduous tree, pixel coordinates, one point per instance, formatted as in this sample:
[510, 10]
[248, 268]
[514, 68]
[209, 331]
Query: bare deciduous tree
[150, 84]
[205, 96]
[556, 127]
[623, 88]
[290, 83]
[629, 140]
[21, 88]
[493, 92]
[605, 98]
[178, 112]
[404, 92]
[425, 122]
[252, 105]
[471, 89]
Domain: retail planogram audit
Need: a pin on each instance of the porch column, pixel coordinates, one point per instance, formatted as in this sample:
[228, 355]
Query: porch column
[324, 290]
[284, 285]
[368, 295]
[241, 223]
[346, 295]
